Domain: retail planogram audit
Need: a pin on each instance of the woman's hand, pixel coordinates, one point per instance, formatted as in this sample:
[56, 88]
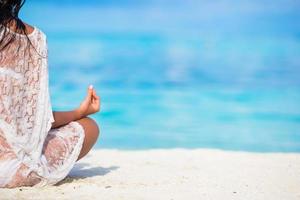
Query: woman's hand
[90, 105]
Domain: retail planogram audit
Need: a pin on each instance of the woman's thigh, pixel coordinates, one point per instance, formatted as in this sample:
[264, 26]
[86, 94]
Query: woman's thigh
[91, 131]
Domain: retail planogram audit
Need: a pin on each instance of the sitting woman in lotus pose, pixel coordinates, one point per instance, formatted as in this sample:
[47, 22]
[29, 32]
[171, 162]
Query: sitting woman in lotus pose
[38, 146]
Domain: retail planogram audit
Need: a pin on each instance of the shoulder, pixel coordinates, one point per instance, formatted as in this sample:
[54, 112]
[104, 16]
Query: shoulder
[29, 29]
[34, 32]
[37, 37]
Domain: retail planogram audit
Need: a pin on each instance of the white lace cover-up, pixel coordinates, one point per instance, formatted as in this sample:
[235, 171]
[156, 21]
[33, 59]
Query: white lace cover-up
[31, 153]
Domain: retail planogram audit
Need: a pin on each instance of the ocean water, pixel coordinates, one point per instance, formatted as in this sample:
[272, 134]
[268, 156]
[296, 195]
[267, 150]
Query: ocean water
[170, 73]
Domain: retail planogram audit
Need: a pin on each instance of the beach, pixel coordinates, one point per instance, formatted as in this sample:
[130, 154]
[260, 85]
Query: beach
[174, 174]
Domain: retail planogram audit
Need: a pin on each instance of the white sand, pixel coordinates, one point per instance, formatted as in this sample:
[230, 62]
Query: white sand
[174, 174]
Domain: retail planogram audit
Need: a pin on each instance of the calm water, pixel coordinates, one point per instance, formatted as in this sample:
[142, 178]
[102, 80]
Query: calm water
[179, 73]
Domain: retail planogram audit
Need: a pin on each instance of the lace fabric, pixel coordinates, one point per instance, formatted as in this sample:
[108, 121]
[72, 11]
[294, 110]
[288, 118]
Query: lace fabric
[31, 153]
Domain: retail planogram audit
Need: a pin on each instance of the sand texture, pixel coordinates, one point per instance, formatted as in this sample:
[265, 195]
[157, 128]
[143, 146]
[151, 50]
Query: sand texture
[174, 174]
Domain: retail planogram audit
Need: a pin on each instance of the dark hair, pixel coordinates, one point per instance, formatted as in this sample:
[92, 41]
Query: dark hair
[9, 14]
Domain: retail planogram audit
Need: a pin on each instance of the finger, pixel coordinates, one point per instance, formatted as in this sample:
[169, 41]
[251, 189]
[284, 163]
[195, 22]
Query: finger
[94, 92]
[97, 104]
[96, 100]
[89, 92]
[95, 96]
[91, 88]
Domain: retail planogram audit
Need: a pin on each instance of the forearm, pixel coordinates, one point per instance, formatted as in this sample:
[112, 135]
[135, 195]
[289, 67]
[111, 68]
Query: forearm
[90, 105]
[64, 117]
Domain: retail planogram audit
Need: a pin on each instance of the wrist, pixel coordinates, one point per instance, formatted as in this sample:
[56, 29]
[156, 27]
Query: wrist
[78, 114]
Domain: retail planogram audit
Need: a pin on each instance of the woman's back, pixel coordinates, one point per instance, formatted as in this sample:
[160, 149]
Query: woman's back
[31, 153]
[36, 149]
[23, 91]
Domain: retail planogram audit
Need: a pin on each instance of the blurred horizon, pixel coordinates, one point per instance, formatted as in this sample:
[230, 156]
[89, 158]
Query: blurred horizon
[192, 74]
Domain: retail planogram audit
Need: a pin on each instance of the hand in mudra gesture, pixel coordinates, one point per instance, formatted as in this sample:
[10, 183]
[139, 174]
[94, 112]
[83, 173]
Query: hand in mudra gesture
[90, 105]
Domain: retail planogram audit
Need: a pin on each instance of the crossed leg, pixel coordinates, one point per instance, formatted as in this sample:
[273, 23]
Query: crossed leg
[91, 131]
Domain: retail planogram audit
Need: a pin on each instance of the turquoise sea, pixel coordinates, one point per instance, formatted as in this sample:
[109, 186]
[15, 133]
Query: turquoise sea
[187, 74]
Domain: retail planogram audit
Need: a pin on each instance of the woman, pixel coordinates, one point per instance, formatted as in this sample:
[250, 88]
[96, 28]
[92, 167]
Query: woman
[38, 147]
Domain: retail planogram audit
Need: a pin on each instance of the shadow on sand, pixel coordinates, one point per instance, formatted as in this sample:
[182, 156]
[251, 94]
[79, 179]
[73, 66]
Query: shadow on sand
[82, 171]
